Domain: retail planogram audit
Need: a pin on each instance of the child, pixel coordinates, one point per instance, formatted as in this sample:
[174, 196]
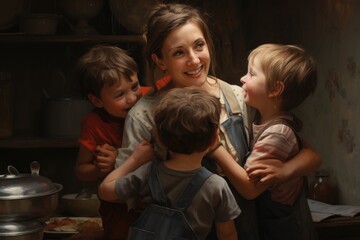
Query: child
[109, 80]
[279, 78]
[187, 121]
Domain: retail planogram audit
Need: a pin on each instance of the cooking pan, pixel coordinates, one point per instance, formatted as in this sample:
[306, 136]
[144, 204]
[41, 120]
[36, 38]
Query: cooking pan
[27, 196]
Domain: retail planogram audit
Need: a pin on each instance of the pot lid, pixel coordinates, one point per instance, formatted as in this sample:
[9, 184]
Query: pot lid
[20, 186]
[19, 228]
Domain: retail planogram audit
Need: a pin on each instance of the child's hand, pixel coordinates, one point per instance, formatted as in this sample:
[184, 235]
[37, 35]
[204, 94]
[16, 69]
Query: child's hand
[143, 153]
[267, 172]
[105, 158]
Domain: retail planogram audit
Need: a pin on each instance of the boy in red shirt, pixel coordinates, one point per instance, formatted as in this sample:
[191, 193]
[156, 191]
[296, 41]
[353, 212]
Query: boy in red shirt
[108, 77]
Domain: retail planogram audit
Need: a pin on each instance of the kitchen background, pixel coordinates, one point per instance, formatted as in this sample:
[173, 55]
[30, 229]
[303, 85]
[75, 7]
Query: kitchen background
[35, 66]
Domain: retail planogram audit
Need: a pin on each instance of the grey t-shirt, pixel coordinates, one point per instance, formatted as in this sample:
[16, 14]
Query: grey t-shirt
[213, 203]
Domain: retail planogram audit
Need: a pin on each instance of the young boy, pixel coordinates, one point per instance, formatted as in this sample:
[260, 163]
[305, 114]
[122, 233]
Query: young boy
[279, 78]
[187, 121]
[108, 76]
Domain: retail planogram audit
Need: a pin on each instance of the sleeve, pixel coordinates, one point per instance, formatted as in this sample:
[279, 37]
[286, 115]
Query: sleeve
[227, 208]
[277, 142]
[88, 135]
[134, 133]
[133, 184]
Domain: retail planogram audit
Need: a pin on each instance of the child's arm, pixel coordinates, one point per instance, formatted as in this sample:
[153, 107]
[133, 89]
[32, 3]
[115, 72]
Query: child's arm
[226, 230]
[143, 153]
[105, 157]
[86, 169]
[236, 174]
[273, 171]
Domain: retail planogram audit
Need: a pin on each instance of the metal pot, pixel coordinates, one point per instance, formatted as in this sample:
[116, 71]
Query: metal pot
[27, 230]
[27, 196]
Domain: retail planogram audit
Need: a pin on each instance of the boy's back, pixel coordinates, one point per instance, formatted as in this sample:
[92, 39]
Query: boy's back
[214, 200]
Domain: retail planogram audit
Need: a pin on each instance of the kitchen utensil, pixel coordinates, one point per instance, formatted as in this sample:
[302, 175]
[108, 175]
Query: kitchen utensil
[82, 11]
[131, 13]
[25, 230]
[39, 24]
[26, 196]
[81, 207]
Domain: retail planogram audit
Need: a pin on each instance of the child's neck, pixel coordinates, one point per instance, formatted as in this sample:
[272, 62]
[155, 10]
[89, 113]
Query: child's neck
[184, 162]
[266, 117]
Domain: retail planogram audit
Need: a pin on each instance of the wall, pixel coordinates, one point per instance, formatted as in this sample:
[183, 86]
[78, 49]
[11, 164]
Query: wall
[331, 31]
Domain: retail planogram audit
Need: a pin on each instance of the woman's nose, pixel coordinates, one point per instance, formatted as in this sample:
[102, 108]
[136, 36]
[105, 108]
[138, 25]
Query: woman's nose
[193, 58]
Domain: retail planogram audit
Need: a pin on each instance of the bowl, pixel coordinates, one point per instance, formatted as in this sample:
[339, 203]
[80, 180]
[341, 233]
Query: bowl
[81, 207]
[39, 24]
[81, 11]
[131, 14]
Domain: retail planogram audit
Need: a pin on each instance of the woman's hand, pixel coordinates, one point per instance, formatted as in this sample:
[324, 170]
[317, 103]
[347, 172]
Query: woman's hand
[268, 172]
[105, 158]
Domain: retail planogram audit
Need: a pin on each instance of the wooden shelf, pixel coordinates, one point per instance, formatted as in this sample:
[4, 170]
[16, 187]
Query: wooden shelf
[17, 143]
[22, 38]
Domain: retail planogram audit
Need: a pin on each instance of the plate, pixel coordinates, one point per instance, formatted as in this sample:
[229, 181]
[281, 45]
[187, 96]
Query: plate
[61, 227]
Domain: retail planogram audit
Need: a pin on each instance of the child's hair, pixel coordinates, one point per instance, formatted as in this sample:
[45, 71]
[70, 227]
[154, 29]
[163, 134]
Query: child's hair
[165, 18]
[288, 64]
[187, 119]
[104, 65]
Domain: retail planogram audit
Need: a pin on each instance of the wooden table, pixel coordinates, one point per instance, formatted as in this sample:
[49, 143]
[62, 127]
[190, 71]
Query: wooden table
[339, 228]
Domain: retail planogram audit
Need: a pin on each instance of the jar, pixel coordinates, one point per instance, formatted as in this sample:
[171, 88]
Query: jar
[323, 188]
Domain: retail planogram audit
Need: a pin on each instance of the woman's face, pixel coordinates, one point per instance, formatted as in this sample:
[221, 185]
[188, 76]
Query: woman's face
[185, 56]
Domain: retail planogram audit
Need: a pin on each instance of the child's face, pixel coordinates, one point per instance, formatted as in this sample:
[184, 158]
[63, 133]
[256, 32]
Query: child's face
[185, 56]
[118, 99]
[254, 85]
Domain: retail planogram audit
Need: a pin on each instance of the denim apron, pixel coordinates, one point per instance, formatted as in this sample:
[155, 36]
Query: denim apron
[246, 223]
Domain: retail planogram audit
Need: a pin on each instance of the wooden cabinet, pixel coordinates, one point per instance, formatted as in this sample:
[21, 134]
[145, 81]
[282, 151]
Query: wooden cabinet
[39, 65]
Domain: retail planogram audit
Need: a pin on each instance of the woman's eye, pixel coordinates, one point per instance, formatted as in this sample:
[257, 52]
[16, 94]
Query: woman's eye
[200, 45]
[177, 53]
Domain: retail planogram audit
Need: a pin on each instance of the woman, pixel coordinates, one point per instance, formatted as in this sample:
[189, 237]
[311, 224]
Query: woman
[179, 45]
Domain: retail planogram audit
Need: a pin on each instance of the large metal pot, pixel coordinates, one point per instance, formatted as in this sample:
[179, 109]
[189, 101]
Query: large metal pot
[27, 196]
[27, 230]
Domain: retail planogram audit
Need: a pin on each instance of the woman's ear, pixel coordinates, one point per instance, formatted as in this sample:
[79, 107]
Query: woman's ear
[159, 63]
[278, 89]
[95, 100]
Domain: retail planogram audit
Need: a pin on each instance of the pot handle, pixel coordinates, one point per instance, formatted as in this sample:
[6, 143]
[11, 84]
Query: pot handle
[35, 168]
[12, 170]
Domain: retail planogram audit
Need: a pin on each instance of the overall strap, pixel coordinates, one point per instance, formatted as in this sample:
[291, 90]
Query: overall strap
[230, 98]
[192, 188]
[157, 192]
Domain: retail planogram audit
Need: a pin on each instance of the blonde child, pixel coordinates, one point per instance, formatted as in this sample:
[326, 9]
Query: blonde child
[278, 80]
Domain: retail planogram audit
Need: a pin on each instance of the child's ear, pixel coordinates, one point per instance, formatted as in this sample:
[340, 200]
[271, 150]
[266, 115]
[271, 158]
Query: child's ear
[215, 138]
[278, 89]
[159, 63]
[95, 100]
